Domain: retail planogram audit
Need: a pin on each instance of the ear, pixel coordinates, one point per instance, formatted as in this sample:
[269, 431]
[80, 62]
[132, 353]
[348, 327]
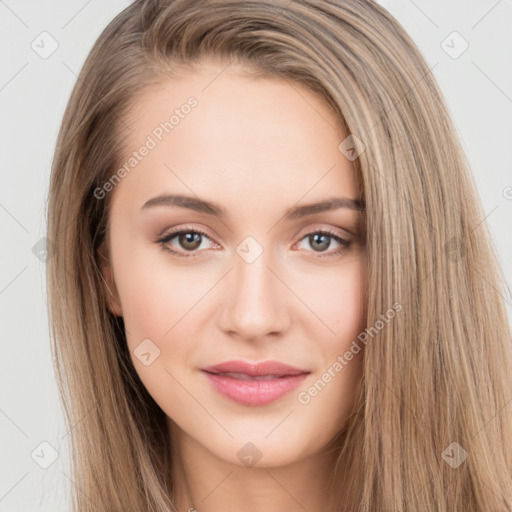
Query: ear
[112, 294]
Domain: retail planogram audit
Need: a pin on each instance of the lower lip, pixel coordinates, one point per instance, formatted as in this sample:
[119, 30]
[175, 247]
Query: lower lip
[255, 392]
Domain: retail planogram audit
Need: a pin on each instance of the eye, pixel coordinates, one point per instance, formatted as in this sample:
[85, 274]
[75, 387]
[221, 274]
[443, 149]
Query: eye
[320, 240]
[189, 240]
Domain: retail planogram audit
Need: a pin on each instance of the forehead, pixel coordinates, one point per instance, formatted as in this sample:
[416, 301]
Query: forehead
[225, 135]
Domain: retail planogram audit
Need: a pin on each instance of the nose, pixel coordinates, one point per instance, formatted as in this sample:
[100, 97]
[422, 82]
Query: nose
[257, 303]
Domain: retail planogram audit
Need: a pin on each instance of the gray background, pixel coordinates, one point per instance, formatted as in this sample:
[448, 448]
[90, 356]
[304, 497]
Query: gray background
[34, 89]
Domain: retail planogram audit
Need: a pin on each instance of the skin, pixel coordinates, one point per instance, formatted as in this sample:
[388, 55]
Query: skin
[256, 147]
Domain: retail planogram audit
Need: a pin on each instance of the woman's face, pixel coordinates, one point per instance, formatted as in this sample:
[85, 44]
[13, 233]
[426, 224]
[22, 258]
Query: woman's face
[251, 278]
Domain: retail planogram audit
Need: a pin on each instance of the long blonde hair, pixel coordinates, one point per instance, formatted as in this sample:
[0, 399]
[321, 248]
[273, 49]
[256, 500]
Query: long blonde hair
[440, 373]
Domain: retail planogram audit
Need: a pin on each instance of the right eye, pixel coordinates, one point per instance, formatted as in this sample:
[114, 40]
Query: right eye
[190, 241]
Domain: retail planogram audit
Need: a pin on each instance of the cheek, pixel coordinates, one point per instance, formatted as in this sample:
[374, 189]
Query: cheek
[336, 297]
[162, 307]
[155, 295]
[155, 317]
[338, 300]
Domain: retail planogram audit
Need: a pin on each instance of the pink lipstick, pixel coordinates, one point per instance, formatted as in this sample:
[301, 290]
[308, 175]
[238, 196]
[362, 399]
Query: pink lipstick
[254, 383]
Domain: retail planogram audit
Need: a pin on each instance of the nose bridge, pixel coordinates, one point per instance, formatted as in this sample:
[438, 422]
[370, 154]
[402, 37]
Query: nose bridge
[253, 279]
[256, 302]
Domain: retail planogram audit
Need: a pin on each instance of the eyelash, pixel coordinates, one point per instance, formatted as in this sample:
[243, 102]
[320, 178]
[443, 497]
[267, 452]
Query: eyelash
[163, 241]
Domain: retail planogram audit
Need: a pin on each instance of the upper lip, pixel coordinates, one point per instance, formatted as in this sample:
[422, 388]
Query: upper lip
[255, 369]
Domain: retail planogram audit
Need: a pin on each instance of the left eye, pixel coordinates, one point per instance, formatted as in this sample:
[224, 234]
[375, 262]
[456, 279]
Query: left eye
[321, 240]
[191, 241]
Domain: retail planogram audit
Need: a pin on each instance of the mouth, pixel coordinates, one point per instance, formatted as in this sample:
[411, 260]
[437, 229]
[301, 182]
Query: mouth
[254, 384]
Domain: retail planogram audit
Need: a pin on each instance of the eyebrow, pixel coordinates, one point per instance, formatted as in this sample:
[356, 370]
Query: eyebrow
[211, 208]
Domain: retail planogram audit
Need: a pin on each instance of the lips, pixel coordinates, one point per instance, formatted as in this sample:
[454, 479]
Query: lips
[254, 383]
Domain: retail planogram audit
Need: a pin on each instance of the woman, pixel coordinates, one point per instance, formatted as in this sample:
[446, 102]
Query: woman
[272, 287]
